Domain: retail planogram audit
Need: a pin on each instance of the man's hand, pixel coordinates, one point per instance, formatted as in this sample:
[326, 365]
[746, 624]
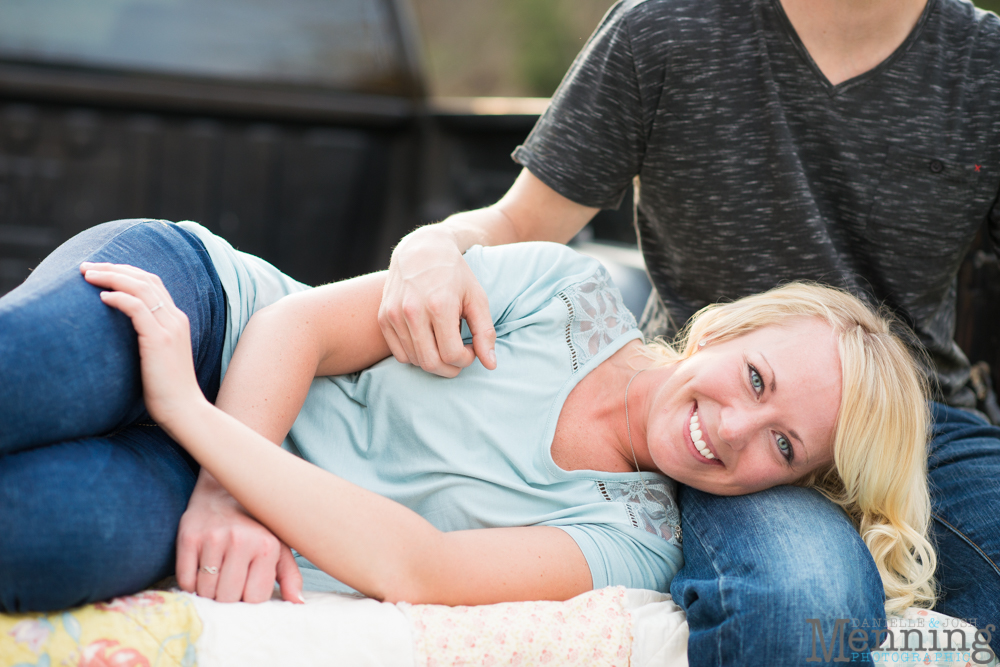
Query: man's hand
[429, 290]
[216, 533]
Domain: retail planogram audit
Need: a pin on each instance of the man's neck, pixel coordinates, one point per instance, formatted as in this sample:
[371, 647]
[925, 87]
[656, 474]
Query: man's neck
[849, 37]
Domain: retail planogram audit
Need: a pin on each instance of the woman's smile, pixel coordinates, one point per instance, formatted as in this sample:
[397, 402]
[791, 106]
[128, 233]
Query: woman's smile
[700, 442]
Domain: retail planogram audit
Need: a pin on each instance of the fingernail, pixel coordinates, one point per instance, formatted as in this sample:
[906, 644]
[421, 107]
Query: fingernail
[493, 357]
[302, 599]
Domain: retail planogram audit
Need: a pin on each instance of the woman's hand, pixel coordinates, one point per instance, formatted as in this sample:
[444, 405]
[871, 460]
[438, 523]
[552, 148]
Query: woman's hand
[225, 554]
[169, 385]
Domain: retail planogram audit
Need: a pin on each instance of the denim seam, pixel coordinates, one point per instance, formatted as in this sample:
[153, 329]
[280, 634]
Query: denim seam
[126, 426]
[968, 541]
[720, 580]
[138, 221]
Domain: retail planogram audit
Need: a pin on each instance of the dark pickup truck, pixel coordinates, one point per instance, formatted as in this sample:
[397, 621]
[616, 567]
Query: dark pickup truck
[300, 130]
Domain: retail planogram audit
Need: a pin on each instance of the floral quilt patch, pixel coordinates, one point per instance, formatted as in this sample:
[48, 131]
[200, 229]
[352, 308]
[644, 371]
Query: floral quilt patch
[151, 629]
[590, 629]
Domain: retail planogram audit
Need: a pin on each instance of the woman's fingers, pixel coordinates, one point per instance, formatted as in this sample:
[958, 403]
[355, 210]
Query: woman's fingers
[215, 531]
[130, 280]
[170, 387]
[258, 584]
[232, 576]
[289, 576]
[136, 309]
[187, 560]
[209, 568]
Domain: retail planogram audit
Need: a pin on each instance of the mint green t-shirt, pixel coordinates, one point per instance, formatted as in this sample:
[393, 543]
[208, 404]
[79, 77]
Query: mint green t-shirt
[474, 451]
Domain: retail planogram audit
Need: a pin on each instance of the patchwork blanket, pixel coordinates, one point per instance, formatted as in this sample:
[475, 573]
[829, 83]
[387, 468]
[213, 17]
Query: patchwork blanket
[613, 627]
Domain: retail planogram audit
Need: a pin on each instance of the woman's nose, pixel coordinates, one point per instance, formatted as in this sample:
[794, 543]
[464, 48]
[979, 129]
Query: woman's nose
[736, 427]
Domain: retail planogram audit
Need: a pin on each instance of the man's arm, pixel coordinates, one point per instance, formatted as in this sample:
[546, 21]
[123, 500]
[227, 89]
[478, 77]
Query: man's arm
[430, 289]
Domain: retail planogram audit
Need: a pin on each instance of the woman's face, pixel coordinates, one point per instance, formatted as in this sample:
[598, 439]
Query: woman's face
[749, 413]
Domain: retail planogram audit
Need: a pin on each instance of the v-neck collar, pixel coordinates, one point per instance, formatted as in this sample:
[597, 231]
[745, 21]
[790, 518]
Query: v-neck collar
[834, 90]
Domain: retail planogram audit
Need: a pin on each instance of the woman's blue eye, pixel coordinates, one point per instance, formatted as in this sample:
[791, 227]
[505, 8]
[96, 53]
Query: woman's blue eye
[785, 446]
[756, 381]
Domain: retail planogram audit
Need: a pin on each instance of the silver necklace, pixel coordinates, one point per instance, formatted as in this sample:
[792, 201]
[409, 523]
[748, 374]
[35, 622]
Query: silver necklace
[628, 429]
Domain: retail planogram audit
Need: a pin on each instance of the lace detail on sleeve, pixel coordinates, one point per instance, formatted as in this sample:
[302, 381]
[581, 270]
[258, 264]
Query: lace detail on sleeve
[596, 316]
[654, 511]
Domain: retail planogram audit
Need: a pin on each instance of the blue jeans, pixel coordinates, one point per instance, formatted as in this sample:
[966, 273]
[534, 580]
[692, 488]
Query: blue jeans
[91, 491]
[758, 566]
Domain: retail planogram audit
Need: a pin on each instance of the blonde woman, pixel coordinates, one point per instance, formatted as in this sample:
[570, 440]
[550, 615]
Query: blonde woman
[550, 474]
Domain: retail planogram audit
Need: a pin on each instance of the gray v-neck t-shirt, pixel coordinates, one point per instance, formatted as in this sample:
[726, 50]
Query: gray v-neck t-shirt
[751, 169]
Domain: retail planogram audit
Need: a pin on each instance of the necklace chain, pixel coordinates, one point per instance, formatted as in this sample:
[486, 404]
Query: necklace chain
[628, 429]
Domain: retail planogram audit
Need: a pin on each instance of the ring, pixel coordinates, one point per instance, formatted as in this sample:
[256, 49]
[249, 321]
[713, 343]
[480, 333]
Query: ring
[209, 570]
[153, 310]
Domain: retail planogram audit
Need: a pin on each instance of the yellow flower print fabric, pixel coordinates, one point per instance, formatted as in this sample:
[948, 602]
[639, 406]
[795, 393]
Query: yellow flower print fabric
[151, 629]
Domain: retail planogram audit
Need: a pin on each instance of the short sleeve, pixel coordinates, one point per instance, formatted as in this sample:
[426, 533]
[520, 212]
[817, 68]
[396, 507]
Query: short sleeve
[624, 557]
[590, 142]
[645, 551]
[520, 278]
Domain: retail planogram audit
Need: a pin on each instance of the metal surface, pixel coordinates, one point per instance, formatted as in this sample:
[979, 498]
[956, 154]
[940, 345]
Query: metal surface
[314, 200]
[75, 85]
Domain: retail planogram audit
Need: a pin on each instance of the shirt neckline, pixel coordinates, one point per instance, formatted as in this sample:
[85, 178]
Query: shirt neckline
[834, 90]
[549, 433]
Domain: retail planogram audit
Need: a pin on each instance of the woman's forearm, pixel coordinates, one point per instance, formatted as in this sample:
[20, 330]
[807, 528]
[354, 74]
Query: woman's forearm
[365, 540]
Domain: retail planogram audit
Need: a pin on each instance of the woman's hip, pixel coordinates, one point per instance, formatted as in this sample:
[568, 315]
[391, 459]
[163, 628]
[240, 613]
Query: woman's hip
[70, 364]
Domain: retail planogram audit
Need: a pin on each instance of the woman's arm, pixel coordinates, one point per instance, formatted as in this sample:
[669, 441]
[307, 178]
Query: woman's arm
[329, 330]
[374, 544]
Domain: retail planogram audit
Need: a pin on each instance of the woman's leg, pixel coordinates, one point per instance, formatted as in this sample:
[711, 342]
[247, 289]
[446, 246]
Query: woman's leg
[69, 364]
[90, 491]
[90, 519]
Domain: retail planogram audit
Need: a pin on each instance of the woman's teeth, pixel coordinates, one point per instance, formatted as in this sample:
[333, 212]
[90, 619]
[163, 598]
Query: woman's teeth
[696, 436]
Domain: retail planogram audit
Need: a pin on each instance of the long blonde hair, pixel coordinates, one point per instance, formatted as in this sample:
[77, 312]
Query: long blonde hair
[879, 472]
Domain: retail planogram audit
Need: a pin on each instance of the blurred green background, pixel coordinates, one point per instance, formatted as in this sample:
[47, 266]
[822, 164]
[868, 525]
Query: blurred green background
[989, 5]
[511, 47]
[503, 47]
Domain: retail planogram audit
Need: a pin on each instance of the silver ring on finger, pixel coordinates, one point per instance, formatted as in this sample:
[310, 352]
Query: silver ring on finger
[208, 569]
[156, 308]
